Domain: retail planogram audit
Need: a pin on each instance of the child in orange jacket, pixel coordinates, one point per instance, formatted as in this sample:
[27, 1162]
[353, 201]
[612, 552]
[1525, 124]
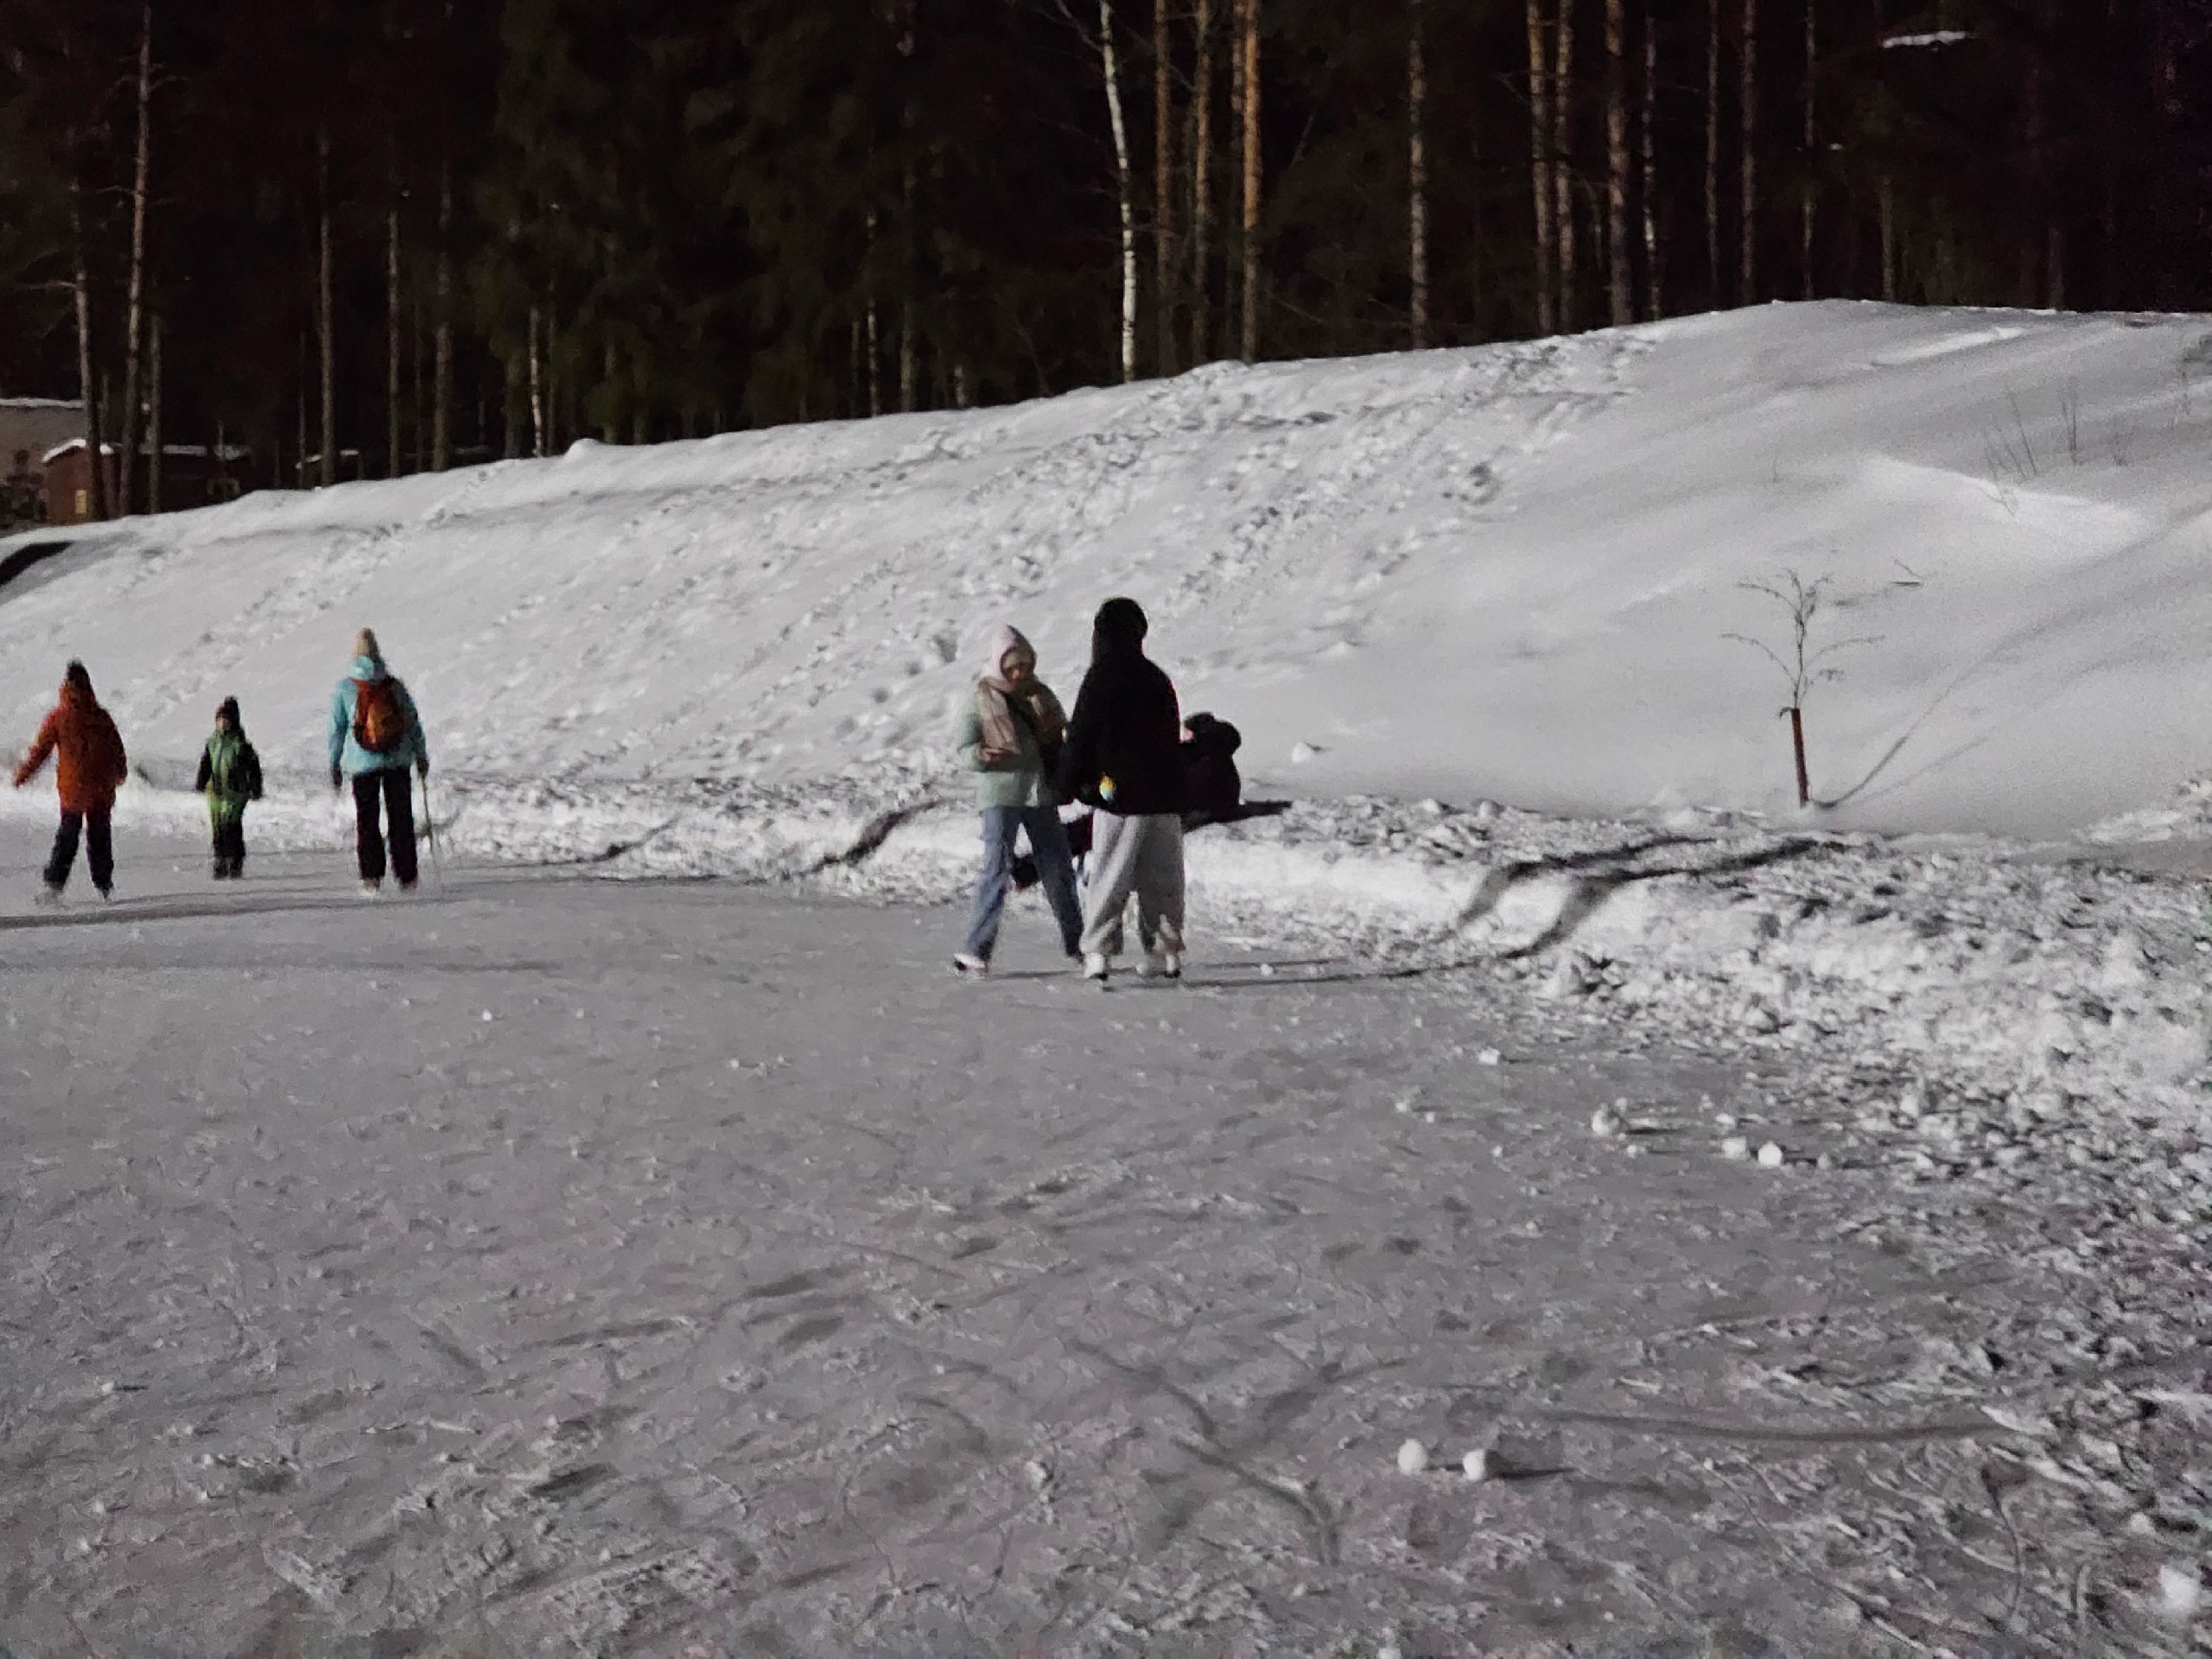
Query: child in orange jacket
[90, 766]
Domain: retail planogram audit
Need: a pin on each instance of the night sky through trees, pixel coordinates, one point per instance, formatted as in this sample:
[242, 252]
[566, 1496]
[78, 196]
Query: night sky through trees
[454, 229]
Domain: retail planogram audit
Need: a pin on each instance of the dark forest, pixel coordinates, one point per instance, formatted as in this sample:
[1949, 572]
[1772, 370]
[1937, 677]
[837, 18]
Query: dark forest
[378, 236]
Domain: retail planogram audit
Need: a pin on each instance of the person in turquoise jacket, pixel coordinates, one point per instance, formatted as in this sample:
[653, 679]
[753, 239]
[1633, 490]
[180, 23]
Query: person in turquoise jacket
[375, 736]
[1008, 733]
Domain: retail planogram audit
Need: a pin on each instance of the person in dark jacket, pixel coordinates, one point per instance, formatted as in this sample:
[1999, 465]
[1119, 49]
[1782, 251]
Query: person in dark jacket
[1124, 756]
[90, 766]
[1214, 793]
[230, 776]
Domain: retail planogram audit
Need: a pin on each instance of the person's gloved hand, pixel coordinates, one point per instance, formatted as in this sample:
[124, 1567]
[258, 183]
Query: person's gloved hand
[337, 778]
[422, 765]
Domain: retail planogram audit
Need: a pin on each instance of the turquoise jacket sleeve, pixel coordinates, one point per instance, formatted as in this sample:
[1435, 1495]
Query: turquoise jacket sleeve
[415, 741]
[342, 721]
[967, 735]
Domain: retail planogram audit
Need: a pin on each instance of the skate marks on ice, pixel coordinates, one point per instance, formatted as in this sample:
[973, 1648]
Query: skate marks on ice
[730, 1277]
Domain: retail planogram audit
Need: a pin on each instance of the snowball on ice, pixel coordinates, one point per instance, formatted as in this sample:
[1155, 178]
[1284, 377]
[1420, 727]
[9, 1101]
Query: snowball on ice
[1476, 1464]
[1771, 1156]
[2181, 1591]
[1736, 1147]
[1413, 1458]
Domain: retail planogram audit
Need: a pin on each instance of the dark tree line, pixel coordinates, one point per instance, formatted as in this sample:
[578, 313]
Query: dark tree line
[370, 237]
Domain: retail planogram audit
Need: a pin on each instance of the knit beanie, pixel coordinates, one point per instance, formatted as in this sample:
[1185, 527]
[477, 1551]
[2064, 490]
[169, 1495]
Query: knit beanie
[229, 711]
[77, 675]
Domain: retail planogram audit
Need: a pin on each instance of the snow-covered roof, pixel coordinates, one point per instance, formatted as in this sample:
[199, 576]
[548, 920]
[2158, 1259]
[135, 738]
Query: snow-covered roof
[1932, 37]
[62, 449]
[40, 403]
[183, 451]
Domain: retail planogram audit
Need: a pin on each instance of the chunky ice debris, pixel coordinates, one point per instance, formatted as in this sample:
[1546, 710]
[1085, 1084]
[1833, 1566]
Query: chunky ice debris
[2181, 1591]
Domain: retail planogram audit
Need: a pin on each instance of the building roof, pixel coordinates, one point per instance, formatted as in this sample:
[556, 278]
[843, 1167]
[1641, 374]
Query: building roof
[41, 402]
[202, 451]
[62, 449]
[183, 451]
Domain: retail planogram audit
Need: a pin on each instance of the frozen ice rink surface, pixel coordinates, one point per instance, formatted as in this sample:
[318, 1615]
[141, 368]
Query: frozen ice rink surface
[548, 1264]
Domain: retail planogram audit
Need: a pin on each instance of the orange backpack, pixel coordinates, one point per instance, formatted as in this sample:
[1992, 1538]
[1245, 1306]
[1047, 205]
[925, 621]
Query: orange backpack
[380, 717]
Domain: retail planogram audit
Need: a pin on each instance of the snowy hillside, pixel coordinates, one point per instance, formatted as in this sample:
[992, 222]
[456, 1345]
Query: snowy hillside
[1507, 574]
[1503, 573]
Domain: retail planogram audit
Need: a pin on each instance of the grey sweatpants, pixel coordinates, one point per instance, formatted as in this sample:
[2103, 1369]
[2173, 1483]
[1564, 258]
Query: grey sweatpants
[1143, 855]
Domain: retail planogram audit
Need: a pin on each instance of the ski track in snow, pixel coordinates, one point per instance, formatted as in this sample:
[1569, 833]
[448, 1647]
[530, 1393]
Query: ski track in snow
[746, 1283]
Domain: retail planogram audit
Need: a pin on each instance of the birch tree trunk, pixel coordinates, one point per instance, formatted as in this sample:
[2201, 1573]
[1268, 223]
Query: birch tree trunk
[1655, 287]
[1252, 178]
[536, 354]
[441, 347]
[1713, 152]
[418, 400]
[1812, 139]
[394, 465]
[88, 386]
[1620, 272]
[610, 414]
[1163, 187]
[1417, 174]
[910, 237]
[1109, 66]
[307, 381]
[1539, 161]
[1563, 163]
[873, 328]
[153, 414]
[134, 315]
[909, 253]
[1747, 271]
[1202, 184]
[1231, 275]
[325, 320]
[2051, 292]
[1889, 213]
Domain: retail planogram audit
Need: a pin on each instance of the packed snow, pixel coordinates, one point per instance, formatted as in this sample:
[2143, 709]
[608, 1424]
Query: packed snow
[1515, 573]
[1487, 619]
[749, 1284]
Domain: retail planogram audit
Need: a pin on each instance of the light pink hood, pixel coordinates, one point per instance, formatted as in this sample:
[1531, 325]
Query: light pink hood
[1005, 638]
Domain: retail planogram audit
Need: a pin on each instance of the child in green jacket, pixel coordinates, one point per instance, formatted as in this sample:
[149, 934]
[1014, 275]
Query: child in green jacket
[230, 776]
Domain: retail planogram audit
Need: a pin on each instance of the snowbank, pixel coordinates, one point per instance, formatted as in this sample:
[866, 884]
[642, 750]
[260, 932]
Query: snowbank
[1510, 573]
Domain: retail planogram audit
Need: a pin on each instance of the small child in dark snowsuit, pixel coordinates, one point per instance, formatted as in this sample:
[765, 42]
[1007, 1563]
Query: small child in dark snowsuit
[230, 776]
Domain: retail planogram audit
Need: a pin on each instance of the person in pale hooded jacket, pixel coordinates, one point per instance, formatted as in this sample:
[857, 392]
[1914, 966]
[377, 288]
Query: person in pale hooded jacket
[375, 735]
[1008, 733]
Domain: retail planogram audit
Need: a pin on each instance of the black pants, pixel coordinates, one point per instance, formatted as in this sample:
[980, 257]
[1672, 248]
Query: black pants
[230, 848]
[99, 850]
[396, 791]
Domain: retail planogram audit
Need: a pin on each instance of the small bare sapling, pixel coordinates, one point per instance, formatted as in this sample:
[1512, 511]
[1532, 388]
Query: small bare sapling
[1800, 661]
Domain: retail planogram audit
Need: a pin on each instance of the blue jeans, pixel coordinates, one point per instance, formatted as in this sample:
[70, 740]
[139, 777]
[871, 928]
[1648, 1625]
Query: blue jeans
[1054, 868]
